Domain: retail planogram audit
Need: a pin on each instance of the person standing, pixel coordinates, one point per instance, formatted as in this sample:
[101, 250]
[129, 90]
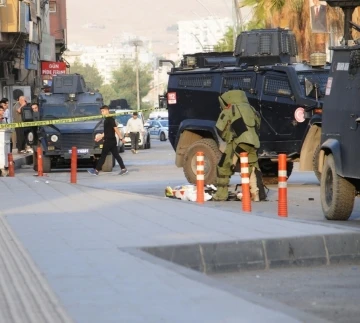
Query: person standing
[134, 127]
[16, 116]
[110, 143]
[2, 115]
[238, 126]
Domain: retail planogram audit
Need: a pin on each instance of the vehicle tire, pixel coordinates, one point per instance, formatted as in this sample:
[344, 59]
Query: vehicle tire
[46, 164]
[337, 194]
[148, 143]
[162, 137]
[270, 169]
[212, 156]
[316, 163]
[108, 165]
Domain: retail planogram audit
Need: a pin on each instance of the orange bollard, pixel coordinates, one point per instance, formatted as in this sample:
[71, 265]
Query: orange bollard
[200, 177]
[11, 166]
[73, 172]
[282, 187]
[245, 182]
[40, 161]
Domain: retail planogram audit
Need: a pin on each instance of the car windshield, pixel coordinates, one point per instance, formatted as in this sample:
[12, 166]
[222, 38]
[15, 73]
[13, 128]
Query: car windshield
[164, 123]
[86, 110]
[319, 77]
[55, 111]
[69, 109]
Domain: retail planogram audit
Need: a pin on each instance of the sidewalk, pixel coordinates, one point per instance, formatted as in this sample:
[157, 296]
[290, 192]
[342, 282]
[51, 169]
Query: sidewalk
[93, 247]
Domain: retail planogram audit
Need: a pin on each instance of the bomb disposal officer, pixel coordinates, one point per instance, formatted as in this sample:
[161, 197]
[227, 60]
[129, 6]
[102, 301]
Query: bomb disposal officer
[238, 125]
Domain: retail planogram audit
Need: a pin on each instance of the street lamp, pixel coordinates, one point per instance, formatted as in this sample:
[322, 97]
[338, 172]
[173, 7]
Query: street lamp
[137, 43]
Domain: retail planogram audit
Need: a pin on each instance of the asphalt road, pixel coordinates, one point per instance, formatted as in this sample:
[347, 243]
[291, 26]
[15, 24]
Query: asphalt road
[152, 170]
[329, 292]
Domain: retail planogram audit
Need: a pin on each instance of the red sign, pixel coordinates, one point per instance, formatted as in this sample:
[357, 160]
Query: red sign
[171, 96]
[53, 68]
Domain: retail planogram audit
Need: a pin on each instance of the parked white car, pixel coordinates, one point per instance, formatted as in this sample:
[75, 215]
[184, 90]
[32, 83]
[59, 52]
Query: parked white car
[159, 129]
[122, 119]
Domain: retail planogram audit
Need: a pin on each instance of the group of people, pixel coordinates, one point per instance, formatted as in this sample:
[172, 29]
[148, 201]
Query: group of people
[15, 115]
[238, 126]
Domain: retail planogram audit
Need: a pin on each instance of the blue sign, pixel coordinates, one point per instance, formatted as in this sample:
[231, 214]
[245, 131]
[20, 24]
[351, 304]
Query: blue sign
[31, 56]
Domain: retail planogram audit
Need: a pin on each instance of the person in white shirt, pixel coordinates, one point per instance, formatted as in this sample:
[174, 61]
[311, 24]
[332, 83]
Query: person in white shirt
[133, 127]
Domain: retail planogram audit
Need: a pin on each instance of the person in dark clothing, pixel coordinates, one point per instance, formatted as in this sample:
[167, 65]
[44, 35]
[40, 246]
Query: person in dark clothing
[110, 129]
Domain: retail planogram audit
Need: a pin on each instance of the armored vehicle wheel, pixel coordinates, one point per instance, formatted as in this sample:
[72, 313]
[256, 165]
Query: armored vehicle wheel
[162, 137]
[336, 193]
[316, 163]
[46, 164]
[269, 171]
[108, 165]
[212, 155]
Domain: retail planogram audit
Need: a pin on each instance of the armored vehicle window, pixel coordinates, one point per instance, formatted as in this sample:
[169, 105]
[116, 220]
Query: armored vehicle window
[242, 82]
[57, 111]
[277, 86]
[195, 81]
[318, 77]
[86, 110]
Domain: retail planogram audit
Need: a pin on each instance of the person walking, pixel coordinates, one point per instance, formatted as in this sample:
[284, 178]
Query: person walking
[238, 125]
[133, 127]
[110, 143]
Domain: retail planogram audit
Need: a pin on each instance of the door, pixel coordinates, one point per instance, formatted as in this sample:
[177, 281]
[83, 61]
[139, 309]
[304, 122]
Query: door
[277, 106]
[154, 129]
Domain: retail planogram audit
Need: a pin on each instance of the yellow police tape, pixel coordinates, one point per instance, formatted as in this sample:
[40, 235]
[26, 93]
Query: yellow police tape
[61, 121]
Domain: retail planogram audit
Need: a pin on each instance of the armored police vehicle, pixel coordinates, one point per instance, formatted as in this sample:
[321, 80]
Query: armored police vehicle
[263, 65]
[340, 154]
[69, 98]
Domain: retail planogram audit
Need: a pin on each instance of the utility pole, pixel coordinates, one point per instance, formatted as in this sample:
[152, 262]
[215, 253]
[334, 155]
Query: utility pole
[137, 43]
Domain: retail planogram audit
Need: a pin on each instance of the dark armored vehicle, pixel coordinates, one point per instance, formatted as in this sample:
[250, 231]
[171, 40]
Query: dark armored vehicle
[263, 65]
[69, 98]
[340, 154]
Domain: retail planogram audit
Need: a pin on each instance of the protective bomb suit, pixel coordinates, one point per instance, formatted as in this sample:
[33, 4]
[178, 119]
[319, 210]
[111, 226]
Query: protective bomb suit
[238, 125]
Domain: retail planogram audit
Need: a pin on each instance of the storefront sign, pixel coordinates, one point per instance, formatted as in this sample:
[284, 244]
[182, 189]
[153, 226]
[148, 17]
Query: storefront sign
[53, 68]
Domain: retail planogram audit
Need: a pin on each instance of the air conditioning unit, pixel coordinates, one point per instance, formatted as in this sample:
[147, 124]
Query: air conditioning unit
[3, 3]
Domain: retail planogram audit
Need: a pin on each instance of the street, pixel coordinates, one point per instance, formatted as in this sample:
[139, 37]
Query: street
[330, 292]
[115, 249]
[153, 169]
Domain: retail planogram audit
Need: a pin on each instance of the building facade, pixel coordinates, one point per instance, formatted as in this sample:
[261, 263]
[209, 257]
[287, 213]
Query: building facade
[25, 42]
[201, 35]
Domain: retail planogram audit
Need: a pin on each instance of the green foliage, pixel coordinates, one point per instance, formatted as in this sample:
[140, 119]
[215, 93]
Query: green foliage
[226, 44]
[108, 93]
[124, 83]
[90, 73]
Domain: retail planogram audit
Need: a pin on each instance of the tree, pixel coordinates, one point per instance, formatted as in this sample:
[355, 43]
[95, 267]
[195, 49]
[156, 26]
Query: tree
[90, 73]
[124, 83]
[226, 44]
[108, 93]
[295, 15]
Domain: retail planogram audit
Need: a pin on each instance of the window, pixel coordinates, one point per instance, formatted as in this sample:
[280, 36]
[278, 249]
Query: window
[195, 81]
[277, 86]
[238, 82]
[52, 6]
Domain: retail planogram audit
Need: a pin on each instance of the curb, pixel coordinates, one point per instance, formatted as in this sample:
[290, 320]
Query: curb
[232, 256]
